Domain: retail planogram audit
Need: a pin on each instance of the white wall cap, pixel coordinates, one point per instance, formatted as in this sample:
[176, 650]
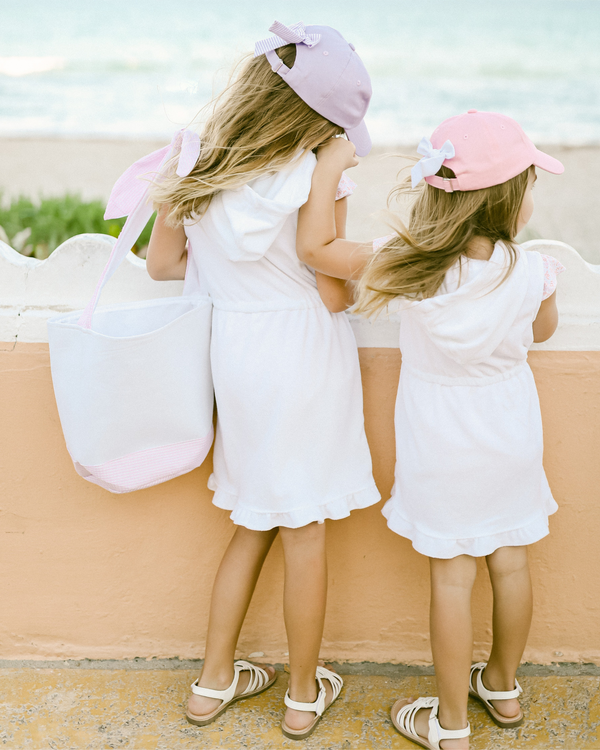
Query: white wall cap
[31, 291]
[578, 299]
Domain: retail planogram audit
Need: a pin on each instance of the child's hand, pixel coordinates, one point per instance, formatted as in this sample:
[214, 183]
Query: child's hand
[339, 152]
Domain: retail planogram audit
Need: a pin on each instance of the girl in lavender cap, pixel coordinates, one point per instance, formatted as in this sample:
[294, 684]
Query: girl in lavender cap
[290, 449]
[469, 476]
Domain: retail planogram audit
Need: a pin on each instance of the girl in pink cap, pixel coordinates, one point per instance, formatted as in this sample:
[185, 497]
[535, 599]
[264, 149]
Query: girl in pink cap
[469, 478]
[290, 447]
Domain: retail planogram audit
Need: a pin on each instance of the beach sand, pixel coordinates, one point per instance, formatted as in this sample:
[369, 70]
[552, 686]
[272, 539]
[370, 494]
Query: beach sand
[566, 206]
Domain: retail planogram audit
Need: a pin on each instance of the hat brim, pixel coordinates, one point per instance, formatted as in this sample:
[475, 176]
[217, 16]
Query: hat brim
[547, 163]
[360, 138]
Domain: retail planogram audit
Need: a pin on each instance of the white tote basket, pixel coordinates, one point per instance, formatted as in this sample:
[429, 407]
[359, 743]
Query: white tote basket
[133, 382]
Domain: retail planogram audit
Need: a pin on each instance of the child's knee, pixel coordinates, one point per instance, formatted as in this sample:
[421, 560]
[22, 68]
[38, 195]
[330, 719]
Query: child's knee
[253, 538]
[507, 560]
[311, 534]
[458, 571]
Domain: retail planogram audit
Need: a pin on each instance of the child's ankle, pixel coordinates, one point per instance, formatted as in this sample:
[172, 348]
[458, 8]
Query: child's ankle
[452, 720]
[303, 692]
[497, 679]
[217, 677]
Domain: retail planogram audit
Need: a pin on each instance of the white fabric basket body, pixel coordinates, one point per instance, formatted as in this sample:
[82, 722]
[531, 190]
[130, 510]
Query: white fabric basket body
[133, 382]
[134, 393]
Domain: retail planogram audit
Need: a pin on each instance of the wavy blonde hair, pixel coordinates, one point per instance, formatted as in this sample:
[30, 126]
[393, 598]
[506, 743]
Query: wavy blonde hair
[257, 125]
[442, 225]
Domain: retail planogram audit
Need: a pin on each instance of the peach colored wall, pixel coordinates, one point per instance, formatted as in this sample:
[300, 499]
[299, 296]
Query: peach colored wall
[84, 573]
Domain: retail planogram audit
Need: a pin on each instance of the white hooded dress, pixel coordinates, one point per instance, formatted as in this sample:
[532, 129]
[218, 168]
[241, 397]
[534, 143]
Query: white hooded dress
[290, 447]
[469, 476]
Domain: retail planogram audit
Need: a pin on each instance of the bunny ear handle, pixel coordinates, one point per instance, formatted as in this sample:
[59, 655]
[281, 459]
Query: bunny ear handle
[129, 189]
[133, 185]
[189, 152]
[129, 197]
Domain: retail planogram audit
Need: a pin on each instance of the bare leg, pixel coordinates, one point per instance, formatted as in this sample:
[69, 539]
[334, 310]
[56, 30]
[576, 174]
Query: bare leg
[451, 643]
[511, 583]
[304, 601]
[232, 592]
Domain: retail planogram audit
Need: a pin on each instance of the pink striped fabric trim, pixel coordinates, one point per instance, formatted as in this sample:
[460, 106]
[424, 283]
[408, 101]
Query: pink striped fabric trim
[552, 268]
[146, 468]
[345, 187]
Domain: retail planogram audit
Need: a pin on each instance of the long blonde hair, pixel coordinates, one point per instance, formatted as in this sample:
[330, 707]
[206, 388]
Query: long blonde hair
[258, 124]
[414, 263]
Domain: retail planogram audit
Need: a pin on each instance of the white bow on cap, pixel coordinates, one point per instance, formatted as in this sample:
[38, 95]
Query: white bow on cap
[432, 160]
[294, 34]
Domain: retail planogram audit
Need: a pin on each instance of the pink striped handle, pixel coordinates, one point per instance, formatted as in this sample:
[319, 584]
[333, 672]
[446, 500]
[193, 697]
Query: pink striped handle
[129, 197]
[294, 34]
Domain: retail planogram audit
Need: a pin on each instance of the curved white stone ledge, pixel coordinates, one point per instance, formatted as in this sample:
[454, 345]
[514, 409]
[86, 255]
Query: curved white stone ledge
[578, 299]
[31, 291]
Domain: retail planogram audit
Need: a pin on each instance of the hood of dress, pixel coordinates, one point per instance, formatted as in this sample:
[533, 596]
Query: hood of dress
[249, 219]
[472, 312]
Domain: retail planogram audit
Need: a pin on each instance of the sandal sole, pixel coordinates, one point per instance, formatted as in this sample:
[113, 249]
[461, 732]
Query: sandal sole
[198, 722]
[303, 734]
[291, 734]
[510, 724]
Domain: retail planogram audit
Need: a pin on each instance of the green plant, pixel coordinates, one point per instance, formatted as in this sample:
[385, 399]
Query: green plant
[38, 229]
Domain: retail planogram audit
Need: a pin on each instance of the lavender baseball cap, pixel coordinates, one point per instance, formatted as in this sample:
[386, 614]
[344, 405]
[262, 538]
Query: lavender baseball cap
[327, 74]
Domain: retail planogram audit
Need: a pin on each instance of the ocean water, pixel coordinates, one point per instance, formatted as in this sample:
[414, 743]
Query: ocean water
[143, 68]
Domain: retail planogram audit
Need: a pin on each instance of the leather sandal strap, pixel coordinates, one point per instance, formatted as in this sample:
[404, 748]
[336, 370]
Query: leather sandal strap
[437, 733]
[407, 714]
[334, 678]
[406, 718]
[492, 695]
[221, 695]
[317, 707]
[258, 678]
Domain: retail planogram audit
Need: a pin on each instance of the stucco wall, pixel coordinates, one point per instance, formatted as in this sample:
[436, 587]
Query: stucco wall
[88, 574]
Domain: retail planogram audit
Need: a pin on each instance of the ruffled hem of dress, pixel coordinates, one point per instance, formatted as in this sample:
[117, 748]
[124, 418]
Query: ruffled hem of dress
[476, 546]
[293, 519]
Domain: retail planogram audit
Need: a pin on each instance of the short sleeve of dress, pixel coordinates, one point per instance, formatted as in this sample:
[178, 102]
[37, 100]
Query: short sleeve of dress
[552, 268]
[381, 241]
[345, 188]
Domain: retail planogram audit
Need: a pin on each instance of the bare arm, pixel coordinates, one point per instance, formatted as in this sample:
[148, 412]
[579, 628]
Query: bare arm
[546, 320]
[336, 293]
[317, 243]
[166, 259]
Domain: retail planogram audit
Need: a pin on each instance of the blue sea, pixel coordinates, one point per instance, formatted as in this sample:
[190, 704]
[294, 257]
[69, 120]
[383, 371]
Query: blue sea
[142, 68]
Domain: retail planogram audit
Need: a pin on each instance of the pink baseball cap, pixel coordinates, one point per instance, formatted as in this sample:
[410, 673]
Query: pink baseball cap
[482, 149]
[327, 74]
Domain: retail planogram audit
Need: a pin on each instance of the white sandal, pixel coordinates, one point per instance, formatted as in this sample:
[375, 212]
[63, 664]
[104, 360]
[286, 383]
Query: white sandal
[259, 681]
[318, 707]
[404, 721]
[485, 696]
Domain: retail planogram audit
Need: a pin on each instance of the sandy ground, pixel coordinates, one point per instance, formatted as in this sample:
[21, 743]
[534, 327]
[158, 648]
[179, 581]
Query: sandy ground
[567, 207]
[140, 709]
